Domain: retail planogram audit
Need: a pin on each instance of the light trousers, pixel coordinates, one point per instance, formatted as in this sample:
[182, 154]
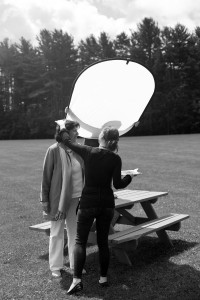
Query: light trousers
[56, 239]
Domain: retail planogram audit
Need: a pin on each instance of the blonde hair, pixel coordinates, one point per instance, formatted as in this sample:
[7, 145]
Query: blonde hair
[111, 137]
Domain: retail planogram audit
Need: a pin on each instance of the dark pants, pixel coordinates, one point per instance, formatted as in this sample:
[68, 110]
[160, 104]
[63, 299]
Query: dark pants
[85, 220]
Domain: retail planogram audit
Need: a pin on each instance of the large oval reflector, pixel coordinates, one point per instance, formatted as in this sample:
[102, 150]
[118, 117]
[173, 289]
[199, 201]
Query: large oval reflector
[110, 92]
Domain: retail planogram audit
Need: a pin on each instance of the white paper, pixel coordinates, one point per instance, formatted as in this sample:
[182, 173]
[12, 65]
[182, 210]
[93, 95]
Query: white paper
[130, 172]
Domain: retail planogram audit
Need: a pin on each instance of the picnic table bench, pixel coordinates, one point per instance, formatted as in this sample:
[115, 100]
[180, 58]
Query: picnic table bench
[140, 226]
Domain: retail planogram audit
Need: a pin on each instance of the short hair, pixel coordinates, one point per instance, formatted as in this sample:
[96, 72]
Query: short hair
[69, 125]
[111, 137]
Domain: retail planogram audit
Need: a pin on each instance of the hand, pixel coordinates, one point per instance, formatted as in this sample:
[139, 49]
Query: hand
[136, 124]
[45, 207]
[66, 110]
[46, 216]
[59, 216]
[61, 123]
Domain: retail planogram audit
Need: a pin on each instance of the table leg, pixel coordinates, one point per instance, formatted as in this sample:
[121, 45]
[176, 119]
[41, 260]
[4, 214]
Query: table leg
[122, 256]
[115, 218]
[119, 252]
[151, 214]
[128, 219]
[127, 215]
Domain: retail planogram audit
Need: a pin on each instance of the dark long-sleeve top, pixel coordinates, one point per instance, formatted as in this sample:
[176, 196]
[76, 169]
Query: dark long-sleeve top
[102, 168]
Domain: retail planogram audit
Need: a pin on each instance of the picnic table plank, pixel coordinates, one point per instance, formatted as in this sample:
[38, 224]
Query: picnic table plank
[136, 228]
[125, 197]
[139, 193]
[146, 228]
[45, 226]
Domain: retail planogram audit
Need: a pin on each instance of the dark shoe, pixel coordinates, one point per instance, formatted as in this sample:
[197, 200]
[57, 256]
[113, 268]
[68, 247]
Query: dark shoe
[77, 288]
[104, 284]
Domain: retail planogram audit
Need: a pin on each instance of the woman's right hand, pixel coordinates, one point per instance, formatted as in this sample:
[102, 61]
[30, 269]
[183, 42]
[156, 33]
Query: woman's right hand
[45, 216]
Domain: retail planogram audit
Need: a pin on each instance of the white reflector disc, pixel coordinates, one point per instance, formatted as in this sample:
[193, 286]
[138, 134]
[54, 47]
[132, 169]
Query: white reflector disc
[111, 92]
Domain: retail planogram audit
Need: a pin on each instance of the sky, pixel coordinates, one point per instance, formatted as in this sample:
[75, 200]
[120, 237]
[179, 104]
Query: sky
[81, 18]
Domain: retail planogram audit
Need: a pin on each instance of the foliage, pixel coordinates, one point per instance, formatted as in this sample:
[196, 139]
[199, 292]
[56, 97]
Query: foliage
[36, 82]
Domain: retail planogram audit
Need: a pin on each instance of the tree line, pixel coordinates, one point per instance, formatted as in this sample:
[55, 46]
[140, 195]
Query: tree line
[36, 81]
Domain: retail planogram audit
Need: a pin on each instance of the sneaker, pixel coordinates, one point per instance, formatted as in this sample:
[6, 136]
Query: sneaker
[56, 274]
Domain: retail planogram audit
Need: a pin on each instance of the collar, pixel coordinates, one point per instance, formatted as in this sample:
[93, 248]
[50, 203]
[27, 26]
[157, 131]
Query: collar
[68, 150]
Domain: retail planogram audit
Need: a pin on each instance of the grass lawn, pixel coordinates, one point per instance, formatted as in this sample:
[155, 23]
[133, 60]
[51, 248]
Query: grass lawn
[168, 163]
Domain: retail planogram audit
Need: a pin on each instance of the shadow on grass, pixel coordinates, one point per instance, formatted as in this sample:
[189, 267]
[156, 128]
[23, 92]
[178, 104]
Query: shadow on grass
[44, 256]
[151, 248]
[154, 275]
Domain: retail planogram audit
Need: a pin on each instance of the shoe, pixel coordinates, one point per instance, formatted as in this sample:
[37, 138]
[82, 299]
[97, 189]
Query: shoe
[104, 284]
[56, 274]
[77, 288]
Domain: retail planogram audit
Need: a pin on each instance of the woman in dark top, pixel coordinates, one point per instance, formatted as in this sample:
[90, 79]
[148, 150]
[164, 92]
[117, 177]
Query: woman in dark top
[102, 168]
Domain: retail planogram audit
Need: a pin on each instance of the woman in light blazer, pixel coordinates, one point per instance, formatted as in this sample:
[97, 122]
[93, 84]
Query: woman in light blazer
[61, 187]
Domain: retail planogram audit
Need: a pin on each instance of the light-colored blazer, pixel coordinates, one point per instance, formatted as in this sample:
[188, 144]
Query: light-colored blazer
[52, 178]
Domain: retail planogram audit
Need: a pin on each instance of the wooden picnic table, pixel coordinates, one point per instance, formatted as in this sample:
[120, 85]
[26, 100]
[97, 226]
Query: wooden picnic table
[146, 199]
[140, 226]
